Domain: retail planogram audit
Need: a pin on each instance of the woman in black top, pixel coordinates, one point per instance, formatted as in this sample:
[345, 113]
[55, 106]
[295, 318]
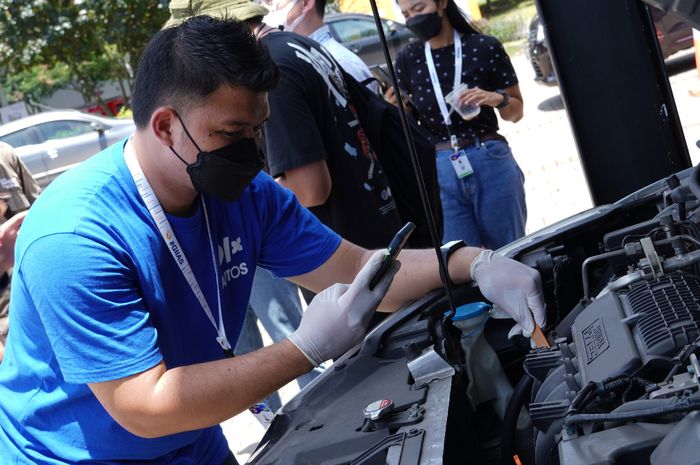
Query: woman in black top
[482, 193]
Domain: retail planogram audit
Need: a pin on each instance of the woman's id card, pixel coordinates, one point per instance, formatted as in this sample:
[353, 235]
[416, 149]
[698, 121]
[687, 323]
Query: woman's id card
[461, 164]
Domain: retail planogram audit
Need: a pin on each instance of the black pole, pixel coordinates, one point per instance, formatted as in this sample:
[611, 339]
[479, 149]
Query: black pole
[414, 160]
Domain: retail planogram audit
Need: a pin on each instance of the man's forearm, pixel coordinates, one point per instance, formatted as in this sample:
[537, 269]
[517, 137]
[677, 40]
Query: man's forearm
[164, 401]
[420, 274]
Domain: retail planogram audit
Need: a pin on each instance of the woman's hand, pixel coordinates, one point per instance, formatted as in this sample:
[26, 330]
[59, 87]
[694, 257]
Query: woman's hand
[480, 97]
[512, 112]
[390, 97]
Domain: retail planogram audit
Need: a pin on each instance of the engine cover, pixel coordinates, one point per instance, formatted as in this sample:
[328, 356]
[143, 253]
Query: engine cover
[616, 334]
[620, 331]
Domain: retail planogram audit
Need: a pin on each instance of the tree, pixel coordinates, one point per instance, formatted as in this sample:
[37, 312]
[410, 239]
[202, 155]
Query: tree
[95, 40]
[36, 83]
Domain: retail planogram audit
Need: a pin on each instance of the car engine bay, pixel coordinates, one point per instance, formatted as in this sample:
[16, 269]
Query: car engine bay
[619, 384]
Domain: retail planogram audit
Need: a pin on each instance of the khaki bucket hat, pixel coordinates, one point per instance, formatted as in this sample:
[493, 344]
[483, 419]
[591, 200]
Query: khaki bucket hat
[241, 10]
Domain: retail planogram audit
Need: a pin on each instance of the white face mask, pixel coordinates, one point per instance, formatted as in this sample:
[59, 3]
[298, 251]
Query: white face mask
[279, 17]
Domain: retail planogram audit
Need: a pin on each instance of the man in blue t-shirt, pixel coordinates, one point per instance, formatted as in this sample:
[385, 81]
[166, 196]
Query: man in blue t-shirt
[133, 273]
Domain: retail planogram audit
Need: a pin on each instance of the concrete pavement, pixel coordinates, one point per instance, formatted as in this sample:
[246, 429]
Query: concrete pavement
[544, 146]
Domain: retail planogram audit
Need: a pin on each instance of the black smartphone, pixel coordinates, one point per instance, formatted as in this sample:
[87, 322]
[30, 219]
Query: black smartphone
[393, 250]
[381, 74]
[383, 77]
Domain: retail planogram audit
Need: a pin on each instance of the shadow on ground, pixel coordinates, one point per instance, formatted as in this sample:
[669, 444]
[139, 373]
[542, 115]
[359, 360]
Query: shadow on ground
[551, 104]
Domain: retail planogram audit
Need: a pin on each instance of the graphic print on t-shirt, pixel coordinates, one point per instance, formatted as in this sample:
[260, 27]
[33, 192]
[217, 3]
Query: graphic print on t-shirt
[331, 75]
[313, 119]
[329, 71]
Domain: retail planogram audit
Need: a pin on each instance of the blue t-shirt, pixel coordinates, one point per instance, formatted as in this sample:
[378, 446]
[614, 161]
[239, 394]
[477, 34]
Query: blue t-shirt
[97, 296]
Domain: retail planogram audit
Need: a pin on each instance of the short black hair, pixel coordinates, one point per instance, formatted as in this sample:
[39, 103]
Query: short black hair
[321, 7]
[184, 63]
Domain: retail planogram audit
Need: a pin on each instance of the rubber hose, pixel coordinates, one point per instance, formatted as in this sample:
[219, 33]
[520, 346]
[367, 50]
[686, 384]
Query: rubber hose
[590, 391]
[546, 444]
[681, 405]
[510, 419]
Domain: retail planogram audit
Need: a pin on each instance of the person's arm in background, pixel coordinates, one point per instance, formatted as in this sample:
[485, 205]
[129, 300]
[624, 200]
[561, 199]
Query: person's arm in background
[29, 185]
[8, 237]
[401, 78]
[390, 97]
[310, 183]
[294, 146]
[30, 188]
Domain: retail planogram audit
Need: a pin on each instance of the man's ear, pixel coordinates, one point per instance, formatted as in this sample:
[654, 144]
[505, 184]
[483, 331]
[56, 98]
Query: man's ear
[308, 5]
[162, 123]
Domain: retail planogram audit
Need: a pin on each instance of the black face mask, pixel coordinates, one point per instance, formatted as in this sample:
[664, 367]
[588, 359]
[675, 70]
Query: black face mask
[216, 173]
[425, 26]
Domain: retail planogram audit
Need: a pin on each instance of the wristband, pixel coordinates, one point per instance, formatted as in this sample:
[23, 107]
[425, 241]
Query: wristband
[446, 251]
[506, 99]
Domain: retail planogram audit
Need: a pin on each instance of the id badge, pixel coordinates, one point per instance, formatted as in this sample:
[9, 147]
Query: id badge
[461, 164]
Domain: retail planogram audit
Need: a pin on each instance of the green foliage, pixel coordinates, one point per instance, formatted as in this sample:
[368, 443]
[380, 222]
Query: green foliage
[490, 8]
[332, 7]
[36, 83]
[507, 28]
[94, 40]
[510, 25]
[129, 24]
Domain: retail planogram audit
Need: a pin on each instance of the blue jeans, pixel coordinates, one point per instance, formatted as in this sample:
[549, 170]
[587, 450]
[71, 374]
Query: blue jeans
[276, 303]
[486, 208]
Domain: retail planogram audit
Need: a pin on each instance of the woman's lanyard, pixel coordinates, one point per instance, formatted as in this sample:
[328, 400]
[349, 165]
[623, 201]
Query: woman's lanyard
[166, 231]
[436, 83]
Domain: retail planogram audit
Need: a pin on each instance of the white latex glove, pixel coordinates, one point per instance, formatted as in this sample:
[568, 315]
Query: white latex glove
[336, 319]
[513, 287]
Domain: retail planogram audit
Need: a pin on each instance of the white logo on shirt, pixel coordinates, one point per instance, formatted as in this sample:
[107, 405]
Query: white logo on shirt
[234, 272]
[227, 250]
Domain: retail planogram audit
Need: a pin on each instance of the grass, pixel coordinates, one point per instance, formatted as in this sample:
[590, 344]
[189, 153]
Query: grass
[508, 21]
[491, 8]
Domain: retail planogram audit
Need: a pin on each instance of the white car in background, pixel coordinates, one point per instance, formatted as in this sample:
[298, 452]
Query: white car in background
[52, 142]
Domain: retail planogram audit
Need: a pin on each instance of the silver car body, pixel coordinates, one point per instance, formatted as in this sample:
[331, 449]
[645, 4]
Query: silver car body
[53, 142]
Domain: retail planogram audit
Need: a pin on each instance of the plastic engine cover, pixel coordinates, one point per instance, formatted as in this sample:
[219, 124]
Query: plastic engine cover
[605, 345]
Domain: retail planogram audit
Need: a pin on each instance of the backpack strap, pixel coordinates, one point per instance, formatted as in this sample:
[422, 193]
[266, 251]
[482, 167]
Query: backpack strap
[369, 81]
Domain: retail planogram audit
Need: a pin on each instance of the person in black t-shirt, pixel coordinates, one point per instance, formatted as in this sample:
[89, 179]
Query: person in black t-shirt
[481, 185]
[316, 147]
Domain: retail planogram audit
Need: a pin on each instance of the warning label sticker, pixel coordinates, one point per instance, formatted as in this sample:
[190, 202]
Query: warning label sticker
[595, 340]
